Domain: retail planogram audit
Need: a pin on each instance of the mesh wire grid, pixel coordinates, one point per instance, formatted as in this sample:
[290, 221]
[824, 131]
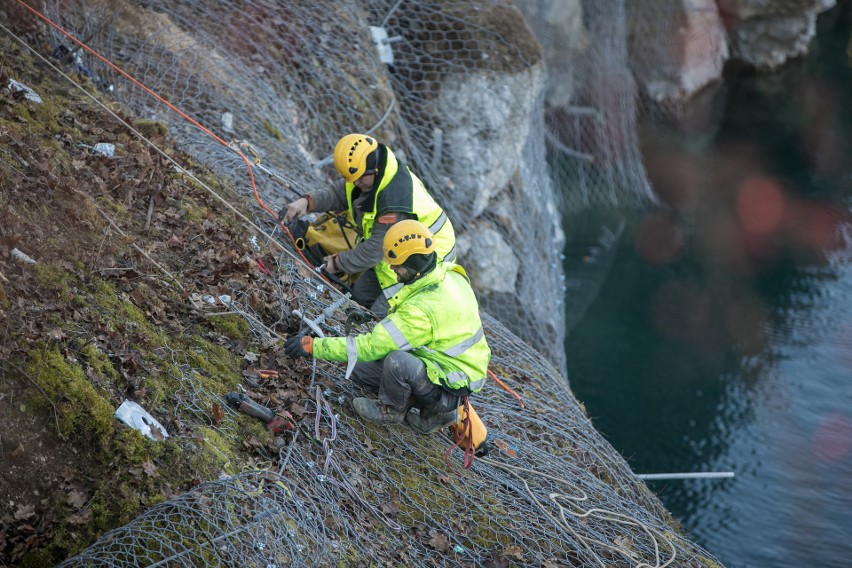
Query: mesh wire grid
[283, 82]
[551, 492]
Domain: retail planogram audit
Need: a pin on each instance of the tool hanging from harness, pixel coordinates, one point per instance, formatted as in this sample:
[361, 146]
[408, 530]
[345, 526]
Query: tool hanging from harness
[331, 233]
[469, 434]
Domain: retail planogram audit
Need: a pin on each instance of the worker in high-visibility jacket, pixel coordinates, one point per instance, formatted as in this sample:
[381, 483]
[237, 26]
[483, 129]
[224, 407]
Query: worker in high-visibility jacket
[428, 353]
[379, 191]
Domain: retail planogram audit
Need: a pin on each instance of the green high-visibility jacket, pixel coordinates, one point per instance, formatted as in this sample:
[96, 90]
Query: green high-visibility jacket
[400, 191]
[436, 318]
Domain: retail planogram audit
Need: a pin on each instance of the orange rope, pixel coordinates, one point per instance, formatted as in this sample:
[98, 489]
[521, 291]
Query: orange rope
[179, 112]
[506, 388]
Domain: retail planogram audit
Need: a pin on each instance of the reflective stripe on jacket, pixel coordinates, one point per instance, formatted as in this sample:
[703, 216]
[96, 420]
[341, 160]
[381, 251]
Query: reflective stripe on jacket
[435, 318]
[400, 191]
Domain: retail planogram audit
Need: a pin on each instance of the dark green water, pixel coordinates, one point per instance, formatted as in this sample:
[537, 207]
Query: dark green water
[721, 339]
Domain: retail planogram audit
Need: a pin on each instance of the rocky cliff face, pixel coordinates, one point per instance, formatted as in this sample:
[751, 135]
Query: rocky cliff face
[767, 33]
[560, 30]
[677, 47]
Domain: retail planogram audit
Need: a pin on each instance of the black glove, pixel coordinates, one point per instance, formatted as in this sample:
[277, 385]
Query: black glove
[299, 346]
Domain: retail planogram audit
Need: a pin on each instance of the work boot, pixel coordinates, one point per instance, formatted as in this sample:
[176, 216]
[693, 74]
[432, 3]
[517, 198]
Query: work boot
[431, 422]
[376, 411]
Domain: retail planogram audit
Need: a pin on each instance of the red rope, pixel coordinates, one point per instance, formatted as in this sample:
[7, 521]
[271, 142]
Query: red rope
[185, 116]
[466, 431]
[506, 388]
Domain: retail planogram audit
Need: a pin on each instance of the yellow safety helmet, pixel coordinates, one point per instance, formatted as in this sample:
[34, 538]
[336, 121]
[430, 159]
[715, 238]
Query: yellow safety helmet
[350, 155]
[406, 238]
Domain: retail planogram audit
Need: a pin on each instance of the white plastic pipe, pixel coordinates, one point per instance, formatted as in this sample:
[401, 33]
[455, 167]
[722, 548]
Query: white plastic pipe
[697, 475]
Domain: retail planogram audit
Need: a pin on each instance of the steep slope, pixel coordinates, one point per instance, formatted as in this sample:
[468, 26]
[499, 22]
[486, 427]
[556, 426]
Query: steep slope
[106, 269]
[123, 247]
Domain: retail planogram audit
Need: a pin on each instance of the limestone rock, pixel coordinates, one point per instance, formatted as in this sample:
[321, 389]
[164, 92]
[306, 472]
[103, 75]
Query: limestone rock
[558, 25]
[489, 260]
[490, 114]
[767, 33]
[676, 47]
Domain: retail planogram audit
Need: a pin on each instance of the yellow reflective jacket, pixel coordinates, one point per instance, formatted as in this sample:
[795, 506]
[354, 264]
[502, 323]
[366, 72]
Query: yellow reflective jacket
[400, 191]
[436, 318]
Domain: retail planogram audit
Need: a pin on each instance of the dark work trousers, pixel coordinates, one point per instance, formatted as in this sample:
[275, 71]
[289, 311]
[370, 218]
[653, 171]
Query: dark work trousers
[367, 292]
[401, 380]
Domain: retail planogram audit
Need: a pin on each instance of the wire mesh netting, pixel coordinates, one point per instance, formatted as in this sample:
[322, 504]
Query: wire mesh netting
[458, 89]
[552, 491]
[463, 102]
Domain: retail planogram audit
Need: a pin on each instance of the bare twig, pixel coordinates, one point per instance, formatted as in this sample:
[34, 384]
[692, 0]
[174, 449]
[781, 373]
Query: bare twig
[139, 249]
[97, 254]
[150, 212]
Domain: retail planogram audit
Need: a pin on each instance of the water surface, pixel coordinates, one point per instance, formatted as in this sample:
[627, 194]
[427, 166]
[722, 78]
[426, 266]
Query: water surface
[721, 339]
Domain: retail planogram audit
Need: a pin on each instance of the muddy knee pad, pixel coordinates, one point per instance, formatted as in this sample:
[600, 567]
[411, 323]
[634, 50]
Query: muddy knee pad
[403, 376]
[440, 402]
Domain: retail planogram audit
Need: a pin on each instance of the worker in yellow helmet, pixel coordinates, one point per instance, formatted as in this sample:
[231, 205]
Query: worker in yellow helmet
[379, 191]
[430, 350]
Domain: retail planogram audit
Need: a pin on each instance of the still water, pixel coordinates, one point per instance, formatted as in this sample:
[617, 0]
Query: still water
[721, 339]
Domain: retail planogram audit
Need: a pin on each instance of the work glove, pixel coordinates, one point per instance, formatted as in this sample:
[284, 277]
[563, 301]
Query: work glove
[294, 209]
[299, 346]
[330, 264]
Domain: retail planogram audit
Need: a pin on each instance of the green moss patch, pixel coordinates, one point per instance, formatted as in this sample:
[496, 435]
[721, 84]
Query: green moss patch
[84, 414]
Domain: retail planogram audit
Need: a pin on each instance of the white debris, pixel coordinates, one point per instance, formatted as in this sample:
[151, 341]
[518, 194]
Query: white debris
[104, 148]
[228, 122]
[22, 256]
[138, 418]
[29, 94]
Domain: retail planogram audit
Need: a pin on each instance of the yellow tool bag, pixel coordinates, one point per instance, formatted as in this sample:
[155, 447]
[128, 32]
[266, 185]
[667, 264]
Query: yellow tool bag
[331, 233]
[470, 433]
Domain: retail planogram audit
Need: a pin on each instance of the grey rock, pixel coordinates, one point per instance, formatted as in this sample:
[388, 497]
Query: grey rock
[559, 28]
[489, 260]
[490, 117]
[767, 33]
